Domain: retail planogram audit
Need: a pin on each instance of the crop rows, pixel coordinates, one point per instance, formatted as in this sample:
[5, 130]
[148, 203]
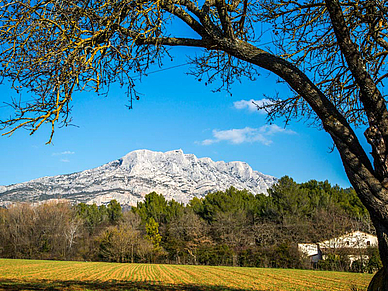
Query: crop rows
[15, 274]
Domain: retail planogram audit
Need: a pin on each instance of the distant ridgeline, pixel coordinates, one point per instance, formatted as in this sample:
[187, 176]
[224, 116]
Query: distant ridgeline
[174, 174]
[232, 227]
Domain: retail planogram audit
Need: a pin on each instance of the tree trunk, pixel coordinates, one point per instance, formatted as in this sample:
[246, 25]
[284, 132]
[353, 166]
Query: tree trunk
[235, 259]
[132, 251]
[373, 195]
[367, 181]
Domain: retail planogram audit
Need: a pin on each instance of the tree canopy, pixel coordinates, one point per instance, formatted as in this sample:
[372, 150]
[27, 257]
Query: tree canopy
[331, 54]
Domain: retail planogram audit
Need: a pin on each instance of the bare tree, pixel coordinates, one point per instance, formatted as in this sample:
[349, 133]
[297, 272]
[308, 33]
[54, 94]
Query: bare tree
[72, 231]
[54, 47]
[232, 228]
[123, 242]
[52, 229]
[20, 221]
[191, 232]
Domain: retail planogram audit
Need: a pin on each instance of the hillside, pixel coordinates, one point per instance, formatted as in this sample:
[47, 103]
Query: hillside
[176, 175]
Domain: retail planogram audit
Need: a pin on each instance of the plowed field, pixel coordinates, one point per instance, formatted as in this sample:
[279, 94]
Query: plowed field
[54, 275]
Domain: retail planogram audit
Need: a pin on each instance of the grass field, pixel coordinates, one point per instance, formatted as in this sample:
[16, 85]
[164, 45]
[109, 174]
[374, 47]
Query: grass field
[54, 275]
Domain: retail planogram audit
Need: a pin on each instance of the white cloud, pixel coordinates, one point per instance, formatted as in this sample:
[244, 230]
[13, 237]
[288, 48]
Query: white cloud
[208, 142]
[271, 129]
[251, 104]
[247, 134]
[235, 136]
[64, 160]
[63, 153]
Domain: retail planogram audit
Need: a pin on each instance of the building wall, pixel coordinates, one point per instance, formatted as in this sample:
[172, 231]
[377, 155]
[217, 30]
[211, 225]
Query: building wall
[356, 240]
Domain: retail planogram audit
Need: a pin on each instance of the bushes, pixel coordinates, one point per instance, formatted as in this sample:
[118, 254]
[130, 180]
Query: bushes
[374, 263]
[215, 255]
[285, 255]
[334, 262]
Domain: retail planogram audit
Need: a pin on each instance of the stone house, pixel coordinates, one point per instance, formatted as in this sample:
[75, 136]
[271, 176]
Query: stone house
[354, 244]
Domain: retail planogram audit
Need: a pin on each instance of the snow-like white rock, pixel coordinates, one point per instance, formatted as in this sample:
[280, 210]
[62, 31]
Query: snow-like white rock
[174, 174]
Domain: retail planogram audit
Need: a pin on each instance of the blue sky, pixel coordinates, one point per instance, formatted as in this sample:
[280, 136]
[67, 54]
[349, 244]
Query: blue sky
[175, 111]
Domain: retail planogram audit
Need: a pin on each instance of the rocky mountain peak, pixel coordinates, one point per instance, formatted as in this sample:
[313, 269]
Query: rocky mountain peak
[174, 174]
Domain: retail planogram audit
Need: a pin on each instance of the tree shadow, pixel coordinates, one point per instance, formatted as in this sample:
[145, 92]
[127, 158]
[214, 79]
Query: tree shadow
[113, 285]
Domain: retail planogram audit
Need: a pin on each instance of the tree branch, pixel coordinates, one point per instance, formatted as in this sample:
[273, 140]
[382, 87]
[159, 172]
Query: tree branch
[212, 29]
[382, 42]
[172, 41]
[371, 98]
[224, 18]
[190, 6]
[183, 15]
[243, 16]
[352, 153]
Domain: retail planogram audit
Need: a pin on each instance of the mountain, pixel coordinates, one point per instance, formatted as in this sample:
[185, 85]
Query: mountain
[174, 174]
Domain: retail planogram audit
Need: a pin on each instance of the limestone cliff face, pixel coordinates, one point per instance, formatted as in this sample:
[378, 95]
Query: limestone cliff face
[174, 174]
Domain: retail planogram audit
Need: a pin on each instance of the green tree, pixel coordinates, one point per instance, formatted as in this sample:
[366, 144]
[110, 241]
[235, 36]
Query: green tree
[323, 195]
[154, 206]
[341, 47]
[318, 193]
[114, 211]
[152, 229]
[91, 215]
[291, 201]
[174, 210]
[157, 207]
[230, 200]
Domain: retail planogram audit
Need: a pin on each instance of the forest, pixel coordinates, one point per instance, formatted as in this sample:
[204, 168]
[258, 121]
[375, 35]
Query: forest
[229, 228]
